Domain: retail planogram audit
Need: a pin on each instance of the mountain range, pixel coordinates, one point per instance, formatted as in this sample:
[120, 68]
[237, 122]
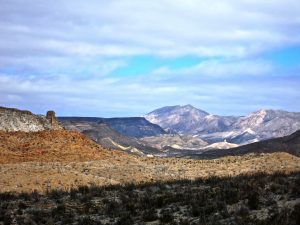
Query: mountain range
[178, 129]
[256, 126]
[289, 144]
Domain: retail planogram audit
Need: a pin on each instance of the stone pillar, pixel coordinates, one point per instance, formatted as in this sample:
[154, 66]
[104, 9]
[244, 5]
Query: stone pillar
[51, 117]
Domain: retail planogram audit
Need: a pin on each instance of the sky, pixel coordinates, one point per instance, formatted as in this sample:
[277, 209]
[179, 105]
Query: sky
[128, 57]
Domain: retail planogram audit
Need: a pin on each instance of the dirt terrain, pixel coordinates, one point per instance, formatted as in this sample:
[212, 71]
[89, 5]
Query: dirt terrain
[48, 160]
[49, 146]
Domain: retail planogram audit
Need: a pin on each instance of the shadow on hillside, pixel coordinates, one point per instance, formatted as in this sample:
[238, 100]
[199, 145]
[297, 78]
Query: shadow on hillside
[245, 199]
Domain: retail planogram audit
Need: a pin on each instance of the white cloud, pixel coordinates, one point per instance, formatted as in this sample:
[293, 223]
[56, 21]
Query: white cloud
[221, 68]
[130, 27]
[64, 53]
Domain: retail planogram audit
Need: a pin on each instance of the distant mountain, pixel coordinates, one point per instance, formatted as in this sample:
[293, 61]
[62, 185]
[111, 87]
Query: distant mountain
[260, 125]
[289, 143]
[189, 120]
[108, 137]
[270, 123]
[22, 120]
[137, 127]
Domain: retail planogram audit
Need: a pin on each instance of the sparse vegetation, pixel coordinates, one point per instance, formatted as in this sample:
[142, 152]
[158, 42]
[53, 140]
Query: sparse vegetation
[245, 199]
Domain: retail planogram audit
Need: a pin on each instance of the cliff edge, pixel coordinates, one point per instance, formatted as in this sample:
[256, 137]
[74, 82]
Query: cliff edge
[22, 120]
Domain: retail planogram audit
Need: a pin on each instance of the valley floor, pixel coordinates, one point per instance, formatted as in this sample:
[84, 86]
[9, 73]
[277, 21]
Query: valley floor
[122, 168]
[62, 177]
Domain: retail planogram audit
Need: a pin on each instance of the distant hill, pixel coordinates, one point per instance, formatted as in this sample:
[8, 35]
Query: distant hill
[289, 144]
[260, 125]
[137, 127]
[22, 120]
[175, 141]
[108, 137]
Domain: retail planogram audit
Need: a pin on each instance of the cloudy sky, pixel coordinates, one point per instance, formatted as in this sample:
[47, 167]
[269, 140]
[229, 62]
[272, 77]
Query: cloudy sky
[128, 57]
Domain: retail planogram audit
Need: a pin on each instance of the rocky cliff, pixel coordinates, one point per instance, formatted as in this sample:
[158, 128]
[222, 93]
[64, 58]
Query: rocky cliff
[22, 120]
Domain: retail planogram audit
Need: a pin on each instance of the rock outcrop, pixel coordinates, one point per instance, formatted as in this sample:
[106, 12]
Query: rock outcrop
[22, 120]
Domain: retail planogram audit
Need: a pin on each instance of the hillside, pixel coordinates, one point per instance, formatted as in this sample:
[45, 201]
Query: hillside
[289, 144]
[108, 137]
[22, 120]
[48, 146]
[137, 127]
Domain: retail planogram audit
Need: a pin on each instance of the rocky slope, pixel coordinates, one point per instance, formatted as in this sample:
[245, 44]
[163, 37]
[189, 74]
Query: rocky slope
[289, 144]
[23, 120]
[48, 146]
[188, 120]
[137, 127]
[260, 125]
[108, 137]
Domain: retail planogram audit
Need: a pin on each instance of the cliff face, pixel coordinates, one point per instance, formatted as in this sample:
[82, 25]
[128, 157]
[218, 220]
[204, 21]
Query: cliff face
[23, 120]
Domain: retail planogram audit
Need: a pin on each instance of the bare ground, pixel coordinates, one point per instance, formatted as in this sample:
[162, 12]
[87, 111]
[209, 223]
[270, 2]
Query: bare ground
[117, 169]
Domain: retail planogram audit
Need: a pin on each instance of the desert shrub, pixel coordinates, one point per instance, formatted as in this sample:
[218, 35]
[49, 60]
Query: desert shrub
[112, 207]
[159, 202]
[253, 200]
[203, 201]
[6, 196]
[60, 210]
[295, 215]
[125, 220]
[85, 198]
[56, 194]
[166, 216]
[22, 205]
[35, 196]
[24, 196]
[88, 221]
[6, 220]
[149, 215]
[183, 222]
[73, 194]
[39, 216]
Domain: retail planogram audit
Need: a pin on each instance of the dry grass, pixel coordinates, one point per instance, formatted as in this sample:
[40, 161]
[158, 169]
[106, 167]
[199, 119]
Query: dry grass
[117, 169]
[65, 159]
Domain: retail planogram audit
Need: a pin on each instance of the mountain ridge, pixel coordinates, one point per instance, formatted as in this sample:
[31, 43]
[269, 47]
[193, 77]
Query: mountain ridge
[136, 127]
[289, 144]
[259, 125]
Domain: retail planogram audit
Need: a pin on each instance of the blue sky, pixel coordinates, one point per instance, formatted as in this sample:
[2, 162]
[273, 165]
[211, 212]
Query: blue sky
[129, 57]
